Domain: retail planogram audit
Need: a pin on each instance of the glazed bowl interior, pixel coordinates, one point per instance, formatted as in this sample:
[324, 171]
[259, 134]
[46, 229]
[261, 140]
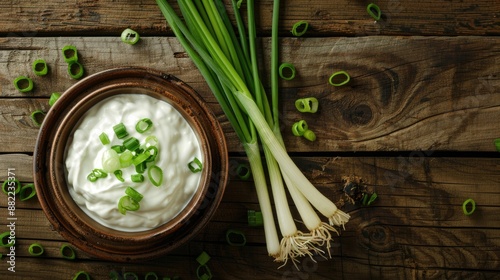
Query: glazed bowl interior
[51, 175]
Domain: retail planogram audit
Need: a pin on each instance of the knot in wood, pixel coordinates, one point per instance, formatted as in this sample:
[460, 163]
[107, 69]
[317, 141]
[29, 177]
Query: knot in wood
[358, 115]
[377, 238]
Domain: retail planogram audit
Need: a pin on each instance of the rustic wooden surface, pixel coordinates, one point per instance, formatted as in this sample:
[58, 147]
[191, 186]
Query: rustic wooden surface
[416, 122]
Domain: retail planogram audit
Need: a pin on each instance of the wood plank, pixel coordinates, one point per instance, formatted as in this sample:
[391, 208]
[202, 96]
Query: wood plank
[405, 94]
[416, 228]
[326, 18]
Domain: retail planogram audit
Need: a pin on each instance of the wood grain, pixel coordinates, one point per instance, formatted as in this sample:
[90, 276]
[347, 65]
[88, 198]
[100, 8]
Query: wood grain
[405, 94]
[416, 228]
[326, 18]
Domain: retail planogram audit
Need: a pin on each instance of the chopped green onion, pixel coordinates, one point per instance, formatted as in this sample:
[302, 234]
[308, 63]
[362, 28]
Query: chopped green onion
[140, 158]
[243, 171]
[368, 202]
[300, 28]
[99, 173]
[119, 175]
[287, 67]
[127, 203]
[5, 237]
[137, 178]
[496, 142]
[67, 252]
[307, 105]
[91, 177]
[135, 195]
[151, 276]
[143, 125]
[40, 67]
[120, 131]
[113, 275]
[203, 275]
[203, 258]
[35, 116]
[235, 238]
[130, 276]
[23, 84]
[465, 206]
[195, 165]
[27, 191]
[126, 158]
[54, 97]
[152, 156]
[81, 275]
[104, 138]
[299, 128]
[255, 218]
[130, 36]
[75, 70]
[70, 54]
[309, 135]
[131, 144]
[8, 184]
[333, 80]
[151, 140]
[118, 148]
[155, 175]
[110, 161]
[374, 11]
[35, 249]
[141, 167]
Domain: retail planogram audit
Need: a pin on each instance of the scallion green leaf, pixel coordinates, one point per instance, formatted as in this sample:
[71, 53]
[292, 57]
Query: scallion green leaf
[104, 138]
[134, 194]
[468, 210]
[155, 175]
[131, 144]
[119, 175]
[300, 28]
[54, 97]
[8, 185]
[40, 67]
[374, 11]
[137, 178]
[141, 167]
[120, 131]
[235, 238]
[27, 191]
[254, 218]
[310, 135]
[130, 36]
[152, 151]
[307, 105]
[339, 78]
[23, 84]
[140, 158]
[203, 258]
[126, 203]
[35, 115]
[143, 125]
[299, 128]
[118, 148]
[70, 54]
[81, 275]
[151, 276]
[36, 249]
[287, 71]
[243, 171]
[67, 252]
[195, 165]
[5, 237]
[75, 70]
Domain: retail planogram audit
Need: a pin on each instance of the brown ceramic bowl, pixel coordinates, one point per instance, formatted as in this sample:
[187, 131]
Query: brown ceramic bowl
[49, 170]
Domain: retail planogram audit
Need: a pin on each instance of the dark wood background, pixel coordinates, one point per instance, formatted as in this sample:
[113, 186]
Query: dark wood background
[417, 122]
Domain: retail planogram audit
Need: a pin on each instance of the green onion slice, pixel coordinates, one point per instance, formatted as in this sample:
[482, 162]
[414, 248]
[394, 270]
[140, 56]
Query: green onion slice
[243, 171]
[27, 191]
[143, 125]
[155, 175]
[120, 131]
[67, 252]
[310, 135]
[235, 238]
[140, 158]
[99, 173]
[80, 275]
[307, 105]
[54, 97]
[126, 158]
[299, 128]
[36, 115]
[130, 276]
[195, 165]
[151, 156]
[130, 36]
[23, 84]
[203, 272]
[203, 258]
[151, 276]
[131, 144]
[496, 142]
[137, 178]
[339, 78]
[70, 54]
[104, 138]
[119, 175]
[91, 177]
[118, 148]
[151, 140]
[75, 70]
[110, 161]
[287, 67]
[300, 28]
[141, 167]
[468, 210]
[35, 249]
[135, 195]
[40, 67]
[4, 238]
[255, 218]
[113, 275]
[127, 203]
[374, 11]
[9, 183]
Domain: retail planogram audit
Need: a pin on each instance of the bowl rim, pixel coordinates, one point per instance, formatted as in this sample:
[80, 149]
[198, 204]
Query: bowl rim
[80, 230]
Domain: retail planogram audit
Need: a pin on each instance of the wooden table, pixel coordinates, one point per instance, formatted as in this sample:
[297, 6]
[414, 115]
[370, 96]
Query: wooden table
[417, 123]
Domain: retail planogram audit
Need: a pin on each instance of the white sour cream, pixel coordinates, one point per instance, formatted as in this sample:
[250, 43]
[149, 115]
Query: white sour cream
[178, 145]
